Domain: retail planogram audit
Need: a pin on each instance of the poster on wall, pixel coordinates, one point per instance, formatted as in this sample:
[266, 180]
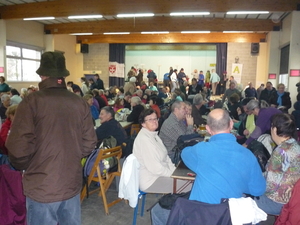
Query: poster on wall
[116, 69]
[236, 72]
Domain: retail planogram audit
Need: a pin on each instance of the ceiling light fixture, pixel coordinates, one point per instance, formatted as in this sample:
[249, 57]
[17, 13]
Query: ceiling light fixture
[108, 33]
[136, 15]
[40, 18]
[189, 13]
[246, 12]
[237, 31]
[82, 34]
[155, 32]
[195, 32]
[85, 17]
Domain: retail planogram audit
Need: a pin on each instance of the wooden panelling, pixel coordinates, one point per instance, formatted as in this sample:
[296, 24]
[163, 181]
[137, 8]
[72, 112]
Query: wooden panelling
[173, 38]
[64, 8]
[174, 24]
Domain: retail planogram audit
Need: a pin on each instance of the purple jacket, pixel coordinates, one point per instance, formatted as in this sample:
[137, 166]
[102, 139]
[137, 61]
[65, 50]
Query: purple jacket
[263, 123]
[13, 204]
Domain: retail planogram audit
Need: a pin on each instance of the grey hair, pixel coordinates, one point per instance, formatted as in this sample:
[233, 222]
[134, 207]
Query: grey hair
[176, 104]
[101, 91]
[253, 104]
[219, 124]
[136, 99]
[198, 99]
[139, 91]
[109, 110]
[4, 97]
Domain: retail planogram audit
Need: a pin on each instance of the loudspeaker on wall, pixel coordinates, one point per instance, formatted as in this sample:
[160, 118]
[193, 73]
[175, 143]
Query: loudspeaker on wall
[254, 48]
[84, 48]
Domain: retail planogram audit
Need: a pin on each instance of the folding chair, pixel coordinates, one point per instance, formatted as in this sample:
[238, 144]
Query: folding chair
[106, 180]
[135, 129]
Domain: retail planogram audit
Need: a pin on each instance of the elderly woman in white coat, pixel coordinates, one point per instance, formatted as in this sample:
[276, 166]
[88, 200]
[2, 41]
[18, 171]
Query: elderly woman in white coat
[155, 165]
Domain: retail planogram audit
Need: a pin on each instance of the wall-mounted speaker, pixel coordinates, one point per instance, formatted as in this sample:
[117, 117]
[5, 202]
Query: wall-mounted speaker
[84, 48]
[254, 48]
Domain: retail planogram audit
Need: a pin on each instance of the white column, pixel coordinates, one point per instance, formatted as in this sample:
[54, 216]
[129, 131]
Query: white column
[294, 59]
[2, 46]
[274, 55]
[49, 42]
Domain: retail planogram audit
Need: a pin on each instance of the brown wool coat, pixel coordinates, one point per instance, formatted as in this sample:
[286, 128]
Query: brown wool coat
[51, 132]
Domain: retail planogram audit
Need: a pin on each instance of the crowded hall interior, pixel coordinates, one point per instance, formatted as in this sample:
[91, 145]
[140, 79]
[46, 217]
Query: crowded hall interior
[149, 112]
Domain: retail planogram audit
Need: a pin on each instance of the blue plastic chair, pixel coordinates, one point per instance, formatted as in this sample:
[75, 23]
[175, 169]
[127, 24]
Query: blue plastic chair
[141, 195]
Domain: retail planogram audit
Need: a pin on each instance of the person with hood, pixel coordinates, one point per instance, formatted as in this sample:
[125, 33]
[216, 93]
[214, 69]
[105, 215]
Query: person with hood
[52, 130]
[130, 86]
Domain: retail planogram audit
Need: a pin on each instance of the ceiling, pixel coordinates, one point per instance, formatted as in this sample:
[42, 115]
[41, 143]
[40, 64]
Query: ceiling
[216, 21]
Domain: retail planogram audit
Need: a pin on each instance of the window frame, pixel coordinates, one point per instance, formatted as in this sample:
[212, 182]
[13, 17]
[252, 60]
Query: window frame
[21, 58]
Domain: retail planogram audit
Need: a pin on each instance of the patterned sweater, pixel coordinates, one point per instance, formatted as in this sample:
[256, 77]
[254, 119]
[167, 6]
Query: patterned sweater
[283, 171]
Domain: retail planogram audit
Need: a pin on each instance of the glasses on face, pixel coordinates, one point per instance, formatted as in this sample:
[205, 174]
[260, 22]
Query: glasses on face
[152, 119]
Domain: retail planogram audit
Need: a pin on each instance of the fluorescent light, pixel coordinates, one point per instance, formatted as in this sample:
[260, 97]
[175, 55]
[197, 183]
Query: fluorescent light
[116, 33]
[40, 18]
[189, 13]
[82, 34]
[136, 15]
[155, 32]
[195, 32]
[247, 12]
[85, 17]
[237, 31]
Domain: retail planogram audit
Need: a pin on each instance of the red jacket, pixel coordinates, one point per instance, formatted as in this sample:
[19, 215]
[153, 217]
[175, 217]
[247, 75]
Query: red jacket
[290, 212]
[3, 135]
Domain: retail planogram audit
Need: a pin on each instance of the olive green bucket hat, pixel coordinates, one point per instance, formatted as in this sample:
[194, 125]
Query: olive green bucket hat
[53, 64]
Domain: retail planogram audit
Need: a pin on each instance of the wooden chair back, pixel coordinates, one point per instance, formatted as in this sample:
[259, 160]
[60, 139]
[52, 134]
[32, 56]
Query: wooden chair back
[135, 129]
[106, 180]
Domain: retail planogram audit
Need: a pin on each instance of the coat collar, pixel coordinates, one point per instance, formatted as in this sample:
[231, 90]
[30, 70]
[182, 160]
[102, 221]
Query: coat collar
[52, 82]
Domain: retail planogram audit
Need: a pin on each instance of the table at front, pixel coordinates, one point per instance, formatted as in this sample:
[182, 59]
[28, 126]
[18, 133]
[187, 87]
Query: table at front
[181, 173]
[124, 124]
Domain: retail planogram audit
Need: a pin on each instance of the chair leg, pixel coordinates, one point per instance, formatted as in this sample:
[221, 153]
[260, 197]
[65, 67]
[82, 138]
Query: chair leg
[136, 209]
[143, 204]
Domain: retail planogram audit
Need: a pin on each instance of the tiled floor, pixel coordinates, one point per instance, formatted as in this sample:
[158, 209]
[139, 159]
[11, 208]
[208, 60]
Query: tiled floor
[121, 213]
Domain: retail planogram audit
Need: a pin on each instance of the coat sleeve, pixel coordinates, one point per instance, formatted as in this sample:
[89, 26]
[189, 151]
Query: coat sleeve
[89, 138]
[21, 140]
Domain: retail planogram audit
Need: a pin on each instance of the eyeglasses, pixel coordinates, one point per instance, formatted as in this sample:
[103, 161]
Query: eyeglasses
[151, 120]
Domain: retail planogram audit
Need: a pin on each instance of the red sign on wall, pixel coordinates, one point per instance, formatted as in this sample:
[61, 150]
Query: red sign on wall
[272, 75]
[1, 69]
[295, 73]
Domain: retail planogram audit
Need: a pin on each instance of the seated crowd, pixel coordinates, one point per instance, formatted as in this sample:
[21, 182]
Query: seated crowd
[224, 167]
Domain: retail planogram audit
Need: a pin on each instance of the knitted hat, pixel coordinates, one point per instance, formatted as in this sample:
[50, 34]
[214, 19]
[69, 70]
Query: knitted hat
[53, 64]
[132, 79]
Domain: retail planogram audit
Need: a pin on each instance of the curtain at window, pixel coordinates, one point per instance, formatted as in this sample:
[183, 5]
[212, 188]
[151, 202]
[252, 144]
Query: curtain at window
[116, 64]
[221, 58]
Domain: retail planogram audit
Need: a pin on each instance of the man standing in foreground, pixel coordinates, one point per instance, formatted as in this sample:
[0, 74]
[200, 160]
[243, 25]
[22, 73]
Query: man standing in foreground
[52, 131]
[223, 168]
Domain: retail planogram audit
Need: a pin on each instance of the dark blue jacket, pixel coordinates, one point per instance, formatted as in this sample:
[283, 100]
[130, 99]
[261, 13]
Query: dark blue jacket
[111, 128]
[188, 212]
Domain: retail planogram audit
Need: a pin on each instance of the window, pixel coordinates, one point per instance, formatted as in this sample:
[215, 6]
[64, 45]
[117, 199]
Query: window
[22, 62]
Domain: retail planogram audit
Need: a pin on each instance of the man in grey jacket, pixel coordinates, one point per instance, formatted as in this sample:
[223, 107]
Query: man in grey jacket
[51, 132]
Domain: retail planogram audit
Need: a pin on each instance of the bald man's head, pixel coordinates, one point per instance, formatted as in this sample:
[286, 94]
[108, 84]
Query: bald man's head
[218, 121]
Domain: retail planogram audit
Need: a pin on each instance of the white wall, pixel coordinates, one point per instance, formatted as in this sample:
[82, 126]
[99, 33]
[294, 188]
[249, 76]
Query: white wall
[26, 32]
[74, 61]
[161, 60]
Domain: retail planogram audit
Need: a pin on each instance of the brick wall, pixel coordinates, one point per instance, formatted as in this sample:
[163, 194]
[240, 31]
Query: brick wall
[243, 51]
[96, 61]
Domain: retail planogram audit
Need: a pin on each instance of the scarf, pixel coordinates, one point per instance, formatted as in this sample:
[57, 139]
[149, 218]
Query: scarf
[279, 99]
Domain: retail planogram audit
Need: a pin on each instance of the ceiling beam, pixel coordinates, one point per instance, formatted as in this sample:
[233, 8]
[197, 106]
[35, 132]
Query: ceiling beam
[64, 8]
[174, 38]
[174, 24]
